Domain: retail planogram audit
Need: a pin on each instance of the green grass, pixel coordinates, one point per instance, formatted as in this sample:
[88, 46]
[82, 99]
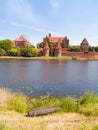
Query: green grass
[88, 103]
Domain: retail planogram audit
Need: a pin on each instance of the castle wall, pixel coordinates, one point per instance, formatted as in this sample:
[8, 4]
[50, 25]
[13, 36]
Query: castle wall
[81, 54]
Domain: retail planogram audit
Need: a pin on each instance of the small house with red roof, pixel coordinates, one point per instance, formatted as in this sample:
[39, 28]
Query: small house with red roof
[84, 45]
[21, 42]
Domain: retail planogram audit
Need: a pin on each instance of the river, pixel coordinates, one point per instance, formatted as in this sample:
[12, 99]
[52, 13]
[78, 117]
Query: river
[53, 77]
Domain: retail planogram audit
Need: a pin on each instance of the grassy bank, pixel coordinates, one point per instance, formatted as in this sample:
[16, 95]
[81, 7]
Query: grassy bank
[87, 104]
[81, 116]
[46, 57]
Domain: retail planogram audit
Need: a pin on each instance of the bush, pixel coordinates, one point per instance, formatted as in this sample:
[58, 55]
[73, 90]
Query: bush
[89, 97]
[68, 104]
[13, 52]
[91, 49]
[96, 49]
[89, 104]
[2, 52]
[18, 103]
[29, 52]
[75, 49]
[6, 45]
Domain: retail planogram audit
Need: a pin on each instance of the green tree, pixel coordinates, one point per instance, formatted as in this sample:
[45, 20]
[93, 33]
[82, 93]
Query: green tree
[6, 45]
[14, 52]
[91, 48]
[29, 52]
[51, 44]
[35, 52]
[75, 49]
[96, 49]
[2, 52]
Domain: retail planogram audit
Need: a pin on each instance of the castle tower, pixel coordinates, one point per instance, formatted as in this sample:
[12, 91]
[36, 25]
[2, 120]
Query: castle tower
[58, 49]
[46, 49]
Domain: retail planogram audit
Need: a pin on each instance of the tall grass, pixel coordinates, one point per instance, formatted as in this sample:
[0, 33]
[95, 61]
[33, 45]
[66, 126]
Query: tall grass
[88, 104]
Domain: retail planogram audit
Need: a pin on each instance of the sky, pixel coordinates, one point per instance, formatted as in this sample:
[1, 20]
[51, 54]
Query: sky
[76, 19]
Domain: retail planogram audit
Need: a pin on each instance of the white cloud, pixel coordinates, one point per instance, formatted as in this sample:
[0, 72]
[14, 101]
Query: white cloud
[26, 26]
[20, 9]
[55, 6]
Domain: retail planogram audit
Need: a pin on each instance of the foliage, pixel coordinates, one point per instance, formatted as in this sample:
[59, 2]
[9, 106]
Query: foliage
[29, 52]
[41, 44]
[6, 45]
[89, 104]
[75, 49]
[13, 52]
[51, 44]
[96, 49]
[18, 103]
[44, 101]
[89, 97]
[2, 52]
[68, 104]
[91, 48]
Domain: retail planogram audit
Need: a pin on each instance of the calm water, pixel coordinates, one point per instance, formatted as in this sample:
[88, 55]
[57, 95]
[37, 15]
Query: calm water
[55, 77]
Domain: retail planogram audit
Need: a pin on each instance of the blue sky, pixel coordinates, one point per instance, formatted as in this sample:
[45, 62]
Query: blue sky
[76, 19]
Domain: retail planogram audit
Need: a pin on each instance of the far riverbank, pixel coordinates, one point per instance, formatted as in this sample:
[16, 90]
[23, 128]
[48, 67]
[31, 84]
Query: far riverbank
[47, 57]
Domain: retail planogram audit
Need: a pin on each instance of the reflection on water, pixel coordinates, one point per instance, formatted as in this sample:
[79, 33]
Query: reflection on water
[55, 77]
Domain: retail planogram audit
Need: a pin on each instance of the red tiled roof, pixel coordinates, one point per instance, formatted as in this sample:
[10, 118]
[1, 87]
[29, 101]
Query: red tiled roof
[85, 42]
[55, 39]
[22, 38]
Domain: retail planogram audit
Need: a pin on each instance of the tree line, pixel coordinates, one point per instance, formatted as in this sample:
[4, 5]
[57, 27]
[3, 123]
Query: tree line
[8, 49]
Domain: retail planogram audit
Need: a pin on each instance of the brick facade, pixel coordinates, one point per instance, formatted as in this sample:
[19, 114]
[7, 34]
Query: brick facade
[21, 42]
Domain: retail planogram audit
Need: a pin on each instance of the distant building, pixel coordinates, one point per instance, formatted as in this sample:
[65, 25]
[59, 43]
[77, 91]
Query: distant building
[21, 42]
[84, 45]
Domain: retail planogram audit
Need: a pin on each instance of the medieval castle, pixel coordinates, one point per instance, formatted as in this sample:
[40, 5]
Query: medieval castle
[57, 46]
[61, 47]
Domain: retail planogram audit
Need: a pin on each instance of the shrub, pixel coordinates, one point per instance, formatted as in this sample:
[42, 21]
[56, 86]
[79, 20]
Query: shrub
[13, 52]
[96, 49]
[89, 104]
[18, 103]
[75, 49]
[45, 101]
[2, 52]
[68, 104]
[89, 97]
[6, 45]
[29, 52]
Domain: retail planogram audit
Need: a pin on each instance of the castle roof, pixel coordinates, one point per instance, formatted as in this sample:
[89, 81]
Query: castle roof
[85, 42]
[55, 39]
[22, 38]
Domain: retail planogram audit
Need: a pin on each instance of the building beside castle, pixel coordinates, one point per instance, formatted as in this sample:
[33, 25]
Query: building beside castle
[21, 42]
[84, 45]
